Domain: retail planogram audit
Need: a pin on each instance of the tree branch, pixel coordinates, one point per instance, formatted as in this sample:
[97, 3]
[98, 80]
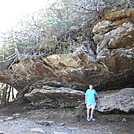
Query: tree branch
[9, 58]
[88, 9]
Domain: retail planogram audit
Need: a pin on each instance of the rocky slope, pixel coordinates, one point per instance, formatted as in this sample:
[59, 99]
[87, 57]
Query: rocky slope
[108, 65]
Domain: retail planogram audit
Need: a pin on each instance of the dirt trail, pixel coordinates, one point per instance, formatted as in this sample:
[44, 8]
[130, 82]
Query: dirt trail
[61, 121]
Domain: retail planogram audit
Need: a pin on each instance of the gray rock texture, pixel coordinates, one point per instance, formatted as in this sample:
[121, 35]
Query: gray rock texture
[108, 64]
[56, 97]
[120, 101]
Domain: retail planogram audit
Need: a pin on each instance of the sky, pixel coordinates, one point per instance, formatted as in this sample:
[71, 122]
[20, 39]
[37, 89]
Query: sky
[10, 10]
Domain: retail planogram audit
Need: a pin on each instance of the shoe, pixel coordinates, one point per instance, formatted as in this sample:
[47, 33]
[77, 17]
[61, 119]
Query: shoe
[92, 119]
[88, 119]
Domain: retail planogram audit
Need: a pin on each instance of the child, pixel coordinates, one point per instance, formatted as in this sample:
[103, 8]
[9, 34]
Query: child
[90, 102]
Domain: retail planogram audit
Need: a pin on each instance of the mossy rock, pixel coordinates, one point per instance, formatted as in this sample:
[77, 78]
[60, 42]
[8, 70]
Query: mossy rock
[65, 43]
[41, 47]
[119, 22]
[118, 15]
[56, 51]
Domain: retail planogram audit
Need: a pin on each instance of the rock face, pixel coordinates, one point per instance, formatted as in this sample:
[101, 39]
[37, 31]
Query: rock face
[120, 101]
[116, 50]
[102, 27]
[111, 66]
[122, 37]
[56, 97]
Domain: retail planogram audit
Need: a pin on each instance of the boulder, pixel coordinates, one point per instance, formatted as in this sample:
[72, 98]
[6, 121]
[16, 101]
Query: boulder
[120, 15]
[98, 38]
[120, 101]
[117, 60]
[102, 27]
[79, 78]
[121, 37]
[56, 97]
[80, 58]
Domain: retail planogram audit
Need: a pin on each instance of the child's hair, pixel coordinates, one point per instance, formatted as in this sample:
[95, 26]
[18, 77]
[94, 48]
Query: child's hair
[90, 85]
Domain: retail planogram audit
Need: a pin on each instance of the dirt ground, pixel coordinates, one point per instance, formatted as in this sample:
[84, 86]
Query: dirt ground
[61, 121]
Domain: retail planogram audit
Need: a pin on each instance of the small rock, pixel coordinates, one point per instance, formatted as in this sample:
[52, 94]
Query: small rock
[44, 123]
[46, 117]
[16, 115]
[124, 119]
[50, 122]
[10, 123]
[59, 133]
[62, 124]
[37, 130]
[9, 118]
[17, 122]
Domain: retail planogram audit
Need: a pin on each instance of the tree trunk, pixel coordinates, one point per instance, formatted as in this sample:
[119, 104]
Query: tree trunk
[4, 95]
[12, 90]
[8, 95]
